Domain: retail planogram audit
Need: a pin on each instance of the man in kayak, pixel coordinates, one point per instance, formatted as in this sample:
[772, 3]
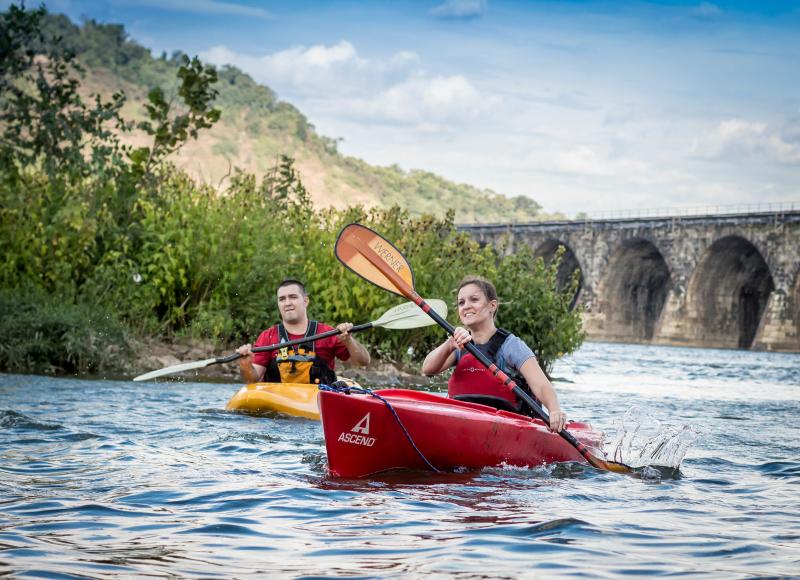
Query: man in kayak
[472, 381]
[312, 362]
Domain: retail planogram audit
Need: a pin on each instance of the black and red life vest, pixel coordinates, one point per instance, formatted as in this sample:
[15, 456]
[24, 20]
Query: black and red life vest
[298, 363]
[471, 381]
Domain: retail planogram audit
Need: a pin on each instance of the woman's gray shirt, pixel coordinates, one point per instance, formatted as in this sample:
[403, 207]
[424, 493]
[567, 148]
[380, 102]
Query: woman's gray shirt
[512, 354]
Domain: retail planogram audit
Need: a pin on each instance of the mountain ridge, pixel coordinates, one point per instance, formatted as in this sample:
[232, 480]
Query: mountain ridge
[256, 128]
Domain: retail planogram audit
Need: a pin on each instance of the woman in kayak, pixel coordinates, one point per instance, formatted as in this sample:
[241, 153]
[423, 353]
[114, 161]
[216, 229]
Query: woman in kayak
[471, 381]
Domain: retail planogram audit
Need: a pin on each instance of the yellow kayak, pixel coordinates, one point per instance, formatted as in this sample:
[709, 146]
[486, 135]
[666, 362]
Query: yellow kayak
[295, 399]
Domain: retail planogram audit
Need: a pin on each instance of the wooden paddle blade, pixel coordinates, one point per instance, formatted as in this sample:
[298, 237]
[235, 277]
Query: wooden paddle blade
[617, 467]
[606, 465]
[357, 247]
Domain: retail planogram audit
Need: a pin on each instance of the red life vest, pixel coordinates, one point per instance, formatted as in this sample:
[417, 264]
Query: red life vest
[472, 381]
[471, 377]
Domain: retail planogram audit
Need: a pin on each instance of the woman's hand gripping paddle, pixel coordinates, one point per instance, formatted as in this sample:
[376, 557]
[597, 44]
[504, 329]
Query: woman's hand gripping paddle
[401, 317]
[376, 260]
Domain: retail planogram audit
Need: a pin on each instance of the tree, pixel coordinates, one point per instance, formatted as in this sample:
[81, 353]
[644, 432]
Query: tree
[43, 118]
[170, 130]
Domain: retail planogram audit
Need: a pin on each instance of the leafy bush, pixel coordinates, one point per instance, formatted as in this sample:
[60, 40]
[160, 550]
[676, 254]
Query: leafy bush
[167, 256]
[198, 263]
[51, 334]
[536, 308]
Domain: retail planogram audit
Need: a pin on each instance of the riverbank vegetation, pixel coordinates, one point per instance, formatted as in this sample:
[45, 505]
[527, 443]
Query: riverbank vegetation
[105, 242]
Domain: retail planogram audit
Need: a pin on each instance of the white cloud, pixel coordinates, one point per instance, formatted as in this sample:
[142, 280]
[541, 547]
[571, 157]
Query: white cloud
[299, 69]
[584, 161]
[418, 100]
[200, 7]
[706, 10]
[459, 9]
[317, 71]
[737, 140]
[336, 80]
[320, 56]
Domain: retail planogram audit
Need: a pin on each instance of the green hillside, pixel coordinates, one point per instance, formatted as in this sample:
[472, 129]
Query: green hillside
[256, 127]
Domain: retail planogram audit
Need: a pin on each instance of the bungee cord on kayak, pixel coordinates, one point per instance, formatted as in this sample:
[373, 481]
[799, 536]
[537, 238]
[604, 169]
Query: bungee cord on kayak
[347, 389]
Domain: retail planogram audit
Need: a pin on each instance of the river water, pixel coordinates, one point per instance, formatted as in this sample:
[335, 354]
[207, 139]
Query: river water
[103, 478]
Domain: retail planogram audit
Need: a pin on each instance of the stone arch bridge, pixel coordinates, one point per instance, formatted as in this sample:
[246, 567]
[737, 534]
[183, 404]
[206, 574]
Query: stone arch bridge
[730, 281]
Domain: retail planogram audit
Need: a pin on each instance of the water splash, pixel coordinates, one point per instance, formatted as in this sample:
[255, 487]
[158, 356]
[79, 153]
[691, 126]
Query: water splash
[643, 441]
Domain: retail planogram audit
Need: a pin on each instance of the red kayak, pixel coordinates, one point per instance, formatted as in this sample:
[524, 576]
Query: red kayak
[363, 437]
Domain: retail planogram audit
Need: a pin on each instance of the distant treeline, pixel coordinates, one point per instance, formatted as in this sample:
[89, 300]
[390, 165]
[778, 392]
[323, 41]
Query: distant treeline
[105, 242]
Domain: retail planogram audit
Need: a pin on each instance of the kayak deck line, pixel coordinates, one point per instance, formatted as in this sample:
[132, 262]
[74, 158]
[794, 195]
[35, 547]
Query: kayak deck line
[348, 389]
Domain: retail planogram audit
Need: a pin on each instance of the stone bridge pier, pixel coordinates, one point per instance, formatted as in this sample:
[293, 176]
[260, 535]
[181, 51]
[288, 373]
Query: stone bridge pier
[729, 281]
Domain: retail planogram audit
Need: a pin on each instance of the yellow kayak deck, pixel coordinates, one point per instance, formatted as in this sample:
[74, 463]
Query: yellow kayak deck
[299, 400]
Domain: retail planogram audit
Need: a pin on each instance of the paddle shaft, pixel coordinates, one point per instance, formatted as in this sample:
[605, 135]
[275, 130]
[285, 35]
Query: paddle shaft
[332, 332]
[383, 264]
[402, 316]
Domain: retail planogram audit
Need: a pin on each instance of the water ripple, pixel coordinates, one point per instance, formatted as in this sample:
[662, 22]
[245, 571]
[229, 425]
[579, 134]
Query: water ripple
[224, 530]
[149, 481]
[13, 420]
[782, 469]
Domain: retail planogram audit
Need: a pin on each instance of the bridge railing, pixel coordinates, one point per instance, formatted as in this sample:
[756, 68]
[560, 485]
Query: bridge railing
[706, 210]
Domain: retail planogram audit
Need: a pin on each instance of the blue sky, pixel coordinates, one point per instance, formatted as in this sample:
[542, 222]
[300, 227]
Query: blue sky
[585, 106]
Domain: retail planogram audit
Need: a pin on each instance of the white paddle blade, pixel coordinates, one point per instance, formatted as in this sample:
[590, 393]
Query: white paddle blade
[175, 369]
[409, 315]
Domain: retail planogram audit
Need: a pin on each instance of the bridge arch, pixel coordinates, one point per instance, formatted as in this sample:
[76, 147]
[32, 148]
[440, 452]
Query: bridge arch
[569, 263]
[636, 282]
[684, 242]
[795, 298]
[728, 292]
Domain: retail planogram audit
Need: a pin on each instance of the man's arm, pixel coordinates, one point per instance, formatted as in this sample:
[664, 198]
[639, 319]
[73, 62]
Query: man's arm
[358, 354]
[251, 372]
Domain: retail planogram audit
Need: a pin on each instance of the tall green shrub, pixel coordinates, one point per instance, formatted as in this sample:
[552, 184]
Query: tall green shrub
[39, 333]
[536, 308]
[96, 235]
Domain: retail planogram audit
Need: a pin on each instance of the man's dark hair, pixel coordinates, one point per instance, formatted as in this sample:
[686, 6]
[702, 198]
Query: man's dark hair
[292, 282]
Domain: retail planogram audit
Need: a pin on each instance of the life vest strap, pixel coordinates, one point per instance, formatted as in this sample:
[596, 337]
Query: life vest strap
[311, 330]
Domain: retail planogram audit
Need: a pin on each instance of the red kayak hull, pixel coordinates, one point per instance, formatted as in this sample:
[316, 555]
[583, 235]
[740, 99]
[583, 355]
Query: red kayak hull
[362, 436]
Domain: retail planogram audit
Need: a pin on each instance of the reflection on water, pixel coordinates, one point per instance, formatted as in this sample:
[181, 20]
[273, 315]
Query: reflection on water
[120, 479]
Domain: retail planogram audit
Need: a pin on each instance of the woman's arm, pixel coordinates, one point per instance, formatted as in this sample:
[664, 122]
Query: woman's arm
[440, 358]
[544, 391]
[444, 355]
